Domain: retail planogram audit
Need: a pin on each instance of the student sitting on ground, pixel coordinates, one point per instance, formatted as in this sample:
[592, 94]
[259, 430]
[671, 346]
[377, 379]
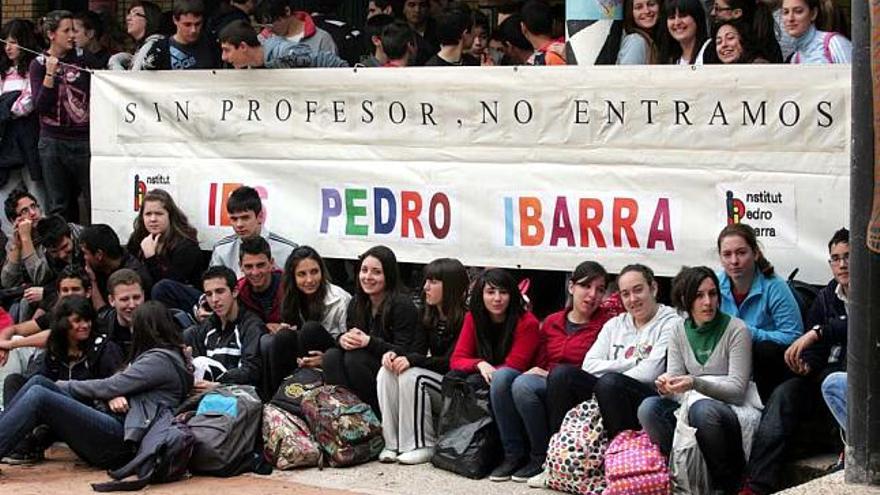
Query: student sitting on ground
[817, 354]
[525, 400]
[165, 242]
[225, 345]
[260, 289]
[499, 340]
[409, 384]
[246, 213]
[751, 290]
[381, 318]
[313, 317]
[75, 351]
[710, 353]
[157, 378]
[104, 256]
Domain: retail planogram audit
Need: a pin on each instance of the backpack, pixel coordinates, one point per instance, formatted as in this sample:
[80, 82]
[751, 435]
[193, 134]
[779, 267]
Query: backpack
[290, 393]
[287, 442]
[635, 466]
[226, 428]
[346, 428]
[576, 453]
[162, 456]
[804, 294]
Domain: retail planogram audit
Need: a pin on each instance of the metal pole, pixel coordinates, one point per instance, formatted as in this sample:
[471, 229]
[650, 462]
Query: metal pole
[863, 361]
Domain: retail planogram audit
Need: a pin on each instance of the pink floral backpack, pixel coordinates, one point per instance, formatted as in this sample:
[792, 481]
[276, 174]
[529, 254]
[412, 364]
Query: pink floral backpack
[635, 466]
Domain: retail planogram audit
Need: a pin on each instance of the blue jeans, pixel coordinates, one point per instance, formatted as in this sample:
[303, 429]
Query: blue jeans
[718, 435]
[834, 393]
[94, 436]
[65, 165]
[519, 405]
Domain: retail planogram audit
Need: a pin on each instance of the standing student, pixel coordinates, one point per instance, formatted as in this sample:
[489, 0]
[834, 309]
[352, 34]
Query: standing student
[499, 340]
[754, 21]
[640, 22]
[381, 318]
[60, 84]
[523, 401]
[142, 23]
[710, 353]
[313, 316]
[157, 378]
[409, 385]
[751, 290]
[813, 46]
[686, 35]
[165, 242]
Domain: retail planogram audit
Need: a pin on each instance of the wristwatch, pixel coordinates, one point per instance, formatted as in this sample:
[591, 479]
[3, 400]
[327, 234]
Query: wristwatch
[818, 330]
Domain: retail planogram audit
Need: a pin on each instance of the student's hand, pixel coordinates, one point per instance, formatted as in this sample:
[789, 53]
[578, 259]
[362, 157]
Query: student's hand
[354, 339]
[118, 405]
[4, 356]
[150, 244]
[537, 370]
[315, 359]
[276, 327]
[794, 351]
[486, 59]
[51, 65]
[388, 360]
[662, 384]
[33, 294]
[90, 273]
[680, 384]
[204, 385]
[6, 345]
[401, 364]
[486, 370]
[25, 229]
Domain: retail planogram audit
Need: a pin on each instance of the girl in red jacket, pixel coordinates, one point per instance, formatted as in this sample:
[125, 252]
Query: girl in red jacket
[499, 339]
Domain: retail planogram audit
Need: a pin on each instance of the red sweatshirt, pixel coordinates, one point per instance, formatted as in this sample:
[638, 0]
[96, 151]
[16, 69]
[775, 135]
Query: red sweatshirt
[558, 347]
[522, 353]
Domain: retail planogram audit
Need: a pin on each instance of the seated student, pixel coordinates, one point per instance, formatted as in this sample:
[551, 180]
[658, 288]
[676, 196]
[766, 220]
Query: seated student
[165, 242]
[103, 256]
[296, 26]
[525, 400]
[25, 260]
[751, 291]
[499, 340]
[187, 48]
[246, 213]
[455, 34]
[229, 338]
[313, 316]
[241, 47]
[409, 385]
[75, 351]
[156, 378]
[260, 289]
[72, 281]
[60, 242]
[380, 318]
[818, 353]
[709, 352]
[125, 293]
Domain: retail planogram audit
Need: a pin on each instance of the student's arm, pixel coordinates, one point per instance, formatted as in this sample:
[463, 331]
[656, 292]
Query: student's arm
[784, 312]
[526, 341]
[732, 387]
[464, 357]
[648, 369]
[598, 360]
[403, 323]
[35, 340]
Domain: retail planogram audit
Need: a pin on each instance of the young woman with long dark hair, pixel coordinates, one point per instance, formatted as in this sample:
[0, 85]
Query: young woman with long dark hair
[409, 385]
[641, 19]
[686, 35]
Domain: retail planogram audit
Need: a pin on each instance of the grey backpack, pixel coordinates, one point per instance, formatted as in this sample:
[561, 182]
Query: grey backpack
[226, 428]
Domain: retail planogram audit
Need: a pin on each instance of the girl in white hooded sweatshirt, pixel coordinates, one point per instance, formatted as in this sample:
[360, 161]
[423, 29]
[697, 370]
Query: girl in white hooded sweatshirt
[630, 352]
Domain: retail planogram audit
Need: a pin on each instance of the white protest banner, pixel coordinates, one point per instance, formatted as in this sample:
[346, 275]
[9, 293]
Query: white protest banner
[531, 167]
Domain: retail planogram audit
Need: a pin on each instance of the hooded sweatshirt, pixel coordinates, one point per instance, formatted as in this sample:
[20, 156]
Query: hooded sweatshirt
[637, 353]
[316, 38]
[280, 53]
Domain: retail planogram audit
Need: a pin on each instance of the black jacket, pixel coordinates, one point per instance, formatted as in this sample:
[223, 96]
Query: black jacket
[394, 328]
[235, 346]
[103, 359]
[18, 138]
[829, 313]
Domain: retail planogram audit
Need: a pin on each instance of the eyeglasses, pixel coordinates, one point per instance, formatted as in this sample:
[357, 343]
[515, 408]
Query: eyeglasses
[838, 259]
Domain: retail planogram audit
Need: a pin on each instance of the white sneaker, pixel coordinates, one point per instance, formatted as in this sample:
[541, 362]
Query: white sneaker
[418, 456]
[539, 480]
[388, 456]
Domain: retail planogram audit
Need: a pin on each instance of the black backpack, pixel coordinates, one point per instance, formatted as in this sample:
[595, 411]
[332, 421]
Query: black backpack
[163, 456]
[804, 294]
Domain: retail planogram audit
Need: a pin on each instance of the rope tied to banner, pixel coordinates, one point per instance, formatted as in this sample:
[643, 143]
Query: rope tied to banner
[64, 64]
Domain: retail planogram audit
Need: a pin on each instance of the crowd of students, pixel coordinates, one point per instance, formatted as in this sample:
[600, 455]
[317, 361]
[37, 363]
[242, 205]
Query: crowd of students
[113, 326]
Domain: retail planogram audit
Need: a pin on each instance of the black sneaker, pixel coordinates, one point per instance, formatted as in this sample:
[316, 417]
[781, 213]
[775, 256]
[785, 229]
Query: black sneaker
[533, 468]
[507, 468]
[23, 458]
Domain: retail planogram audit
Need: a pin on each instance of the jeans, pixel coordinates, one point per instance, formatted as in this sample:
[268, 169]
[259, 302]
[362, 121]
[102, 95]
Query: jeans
[567, 386]
[278, 353]
[176, 295]
[65, 165]
[619, 397]
[519, 406]
[94, 436]
[834, 393]
[718, 435]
